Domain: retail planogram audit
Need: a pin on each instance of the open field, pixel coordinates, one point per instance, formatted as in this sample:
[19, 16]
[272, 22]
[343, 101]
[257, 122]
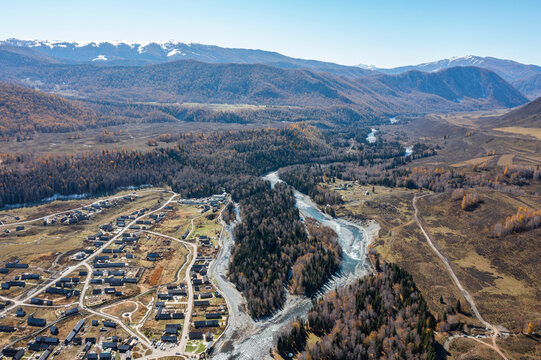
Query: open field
[500, 273]
[206, 225]
[465, 138]
[462, 348]
[535, 132]
[179, 220]
[522, 347]
[400, 240]
[506, 160]
[474, 161]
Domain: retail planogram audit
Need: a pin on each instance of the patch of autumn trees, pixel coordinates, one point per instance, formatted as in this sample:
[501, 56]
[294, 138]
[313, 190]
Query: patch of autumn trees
[525, 219]
[443, 179]
[228, 214]
[272, 246]
[379, 316]
[468, 200]
[194, 165]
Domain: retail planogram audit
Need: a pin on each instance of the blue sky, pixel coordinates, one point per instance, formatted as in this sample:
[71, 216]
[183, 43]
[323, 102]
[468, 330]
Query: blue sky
[381, 32]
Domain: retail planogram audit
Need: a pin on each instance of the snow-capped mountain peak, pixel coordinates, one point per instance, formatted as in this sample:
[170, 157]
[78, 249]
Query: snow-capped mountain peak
[368, 67]
[114, 52]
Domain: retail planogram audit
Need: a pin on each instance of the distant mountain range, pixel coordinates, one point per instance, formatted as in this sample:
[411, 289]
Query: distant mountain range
[526, 78]
[137, 54]
[222, 80]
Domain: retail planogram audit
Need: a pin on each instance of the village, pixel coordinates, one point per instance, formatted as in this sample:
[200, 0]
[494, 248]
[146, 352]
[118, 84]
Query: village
[135, 286]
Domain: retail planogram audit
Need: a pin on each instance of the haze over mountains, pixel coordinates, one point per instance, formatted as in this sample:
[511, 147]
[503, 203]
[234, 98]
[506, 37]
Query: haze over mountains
[176, 73]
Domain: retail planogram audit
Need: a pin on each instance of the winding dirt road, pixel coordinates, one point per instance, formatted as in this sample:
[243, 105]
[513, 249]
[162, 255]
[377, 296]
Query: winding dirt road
[424, 229]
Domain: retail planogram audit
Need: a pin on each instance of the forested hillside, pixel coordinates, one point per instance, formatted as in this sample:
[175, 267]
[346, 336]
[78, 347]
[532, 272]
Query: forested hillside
[270, 242]
[379, 316]
[458, 84]
[23, 110]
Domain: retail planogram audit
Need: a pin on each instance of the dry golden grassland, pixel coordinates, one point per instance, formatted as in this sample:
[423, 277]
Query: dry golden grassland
[500, 273]
[506, 160]
[206, 224]
[474, 161]
[535, 132]
[400, 241]
[178, 220]
[464, 348]
[468, 137]
[521, 347]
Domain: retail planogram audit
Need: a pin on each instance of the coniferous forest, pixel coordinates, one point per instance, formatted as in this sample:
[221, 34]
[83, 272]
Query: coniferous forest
[271, 243]
[379, 316]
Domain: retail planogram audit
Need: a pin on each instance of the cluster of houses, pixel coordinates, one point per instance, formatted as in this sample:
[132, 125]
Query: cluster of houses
[18, 280]
[109, 348]
[164, 314]
[68, 218]
[75, 216]
[207, 204]
[110, 281]
[42, 343]
[172, 292]
[48, 343]
[65, 286]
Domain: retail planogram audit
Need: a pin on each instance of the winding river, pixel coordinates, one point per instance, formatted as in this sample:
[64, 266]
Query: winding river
[245, 338]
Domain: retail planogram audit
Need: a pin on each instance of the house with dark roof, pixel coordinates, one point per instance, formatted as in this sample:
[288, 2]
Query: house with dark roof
[32, 321]
[195, 335]
[169, 338]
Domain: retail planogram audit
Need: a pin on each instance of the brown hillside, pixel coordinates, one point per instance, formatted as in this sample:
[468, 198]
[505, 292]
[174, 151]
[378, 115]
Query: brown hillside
[26, 110]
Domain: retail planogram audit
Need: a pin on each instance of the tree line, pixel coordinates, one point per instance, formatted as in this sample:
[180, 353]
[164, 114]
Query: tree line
[197, 165]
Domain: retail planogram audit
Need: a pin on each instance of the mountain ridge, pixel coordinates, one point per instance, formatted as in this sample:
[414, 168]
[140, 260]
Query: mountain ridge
[146, 53]
[526, 78]
[461, 89]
